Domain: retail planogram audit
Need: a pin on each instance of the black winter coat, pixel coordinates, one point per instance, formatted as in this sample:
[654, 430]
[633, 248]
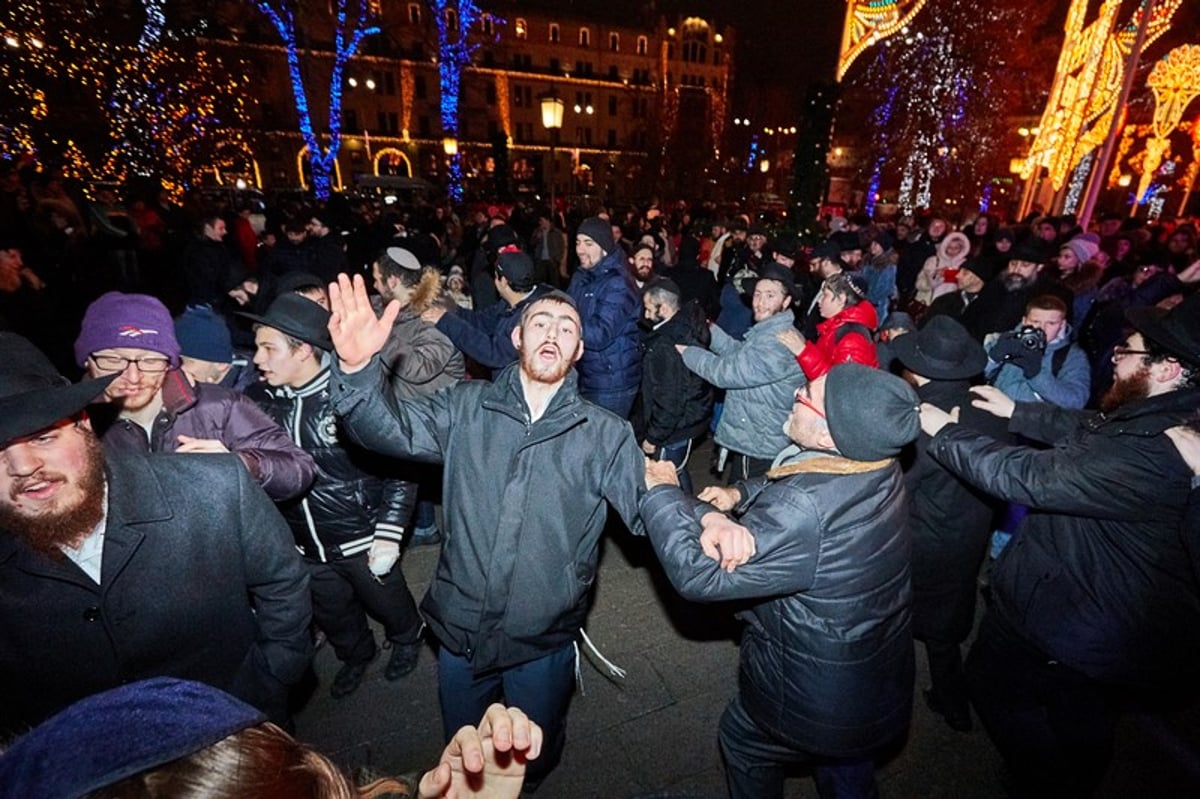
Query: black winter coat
[675, 403]
[351, 502]
[827, 652]
[525, 504]
[1097, 576]
[199, 581]
[951, 523]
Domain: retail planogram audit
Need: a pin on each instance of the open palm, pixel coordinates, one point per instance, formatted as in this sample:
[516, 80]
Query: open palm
[356, 332]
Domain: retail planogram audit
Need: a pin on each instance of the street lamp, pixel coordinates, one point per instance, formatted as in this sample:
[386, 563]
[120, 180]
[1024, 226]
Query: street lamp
[552, 118]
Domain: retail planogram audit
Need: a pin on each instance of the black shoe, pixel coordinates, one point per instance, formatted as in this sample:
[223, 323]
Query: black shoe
[956, 714]
[403, 660]
[425, 536]
[349, 677]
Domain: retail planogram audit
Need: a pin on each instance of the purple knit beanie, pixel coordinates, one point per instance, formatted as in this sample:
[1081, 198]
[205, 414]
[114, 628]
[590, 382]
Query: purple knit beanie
[127, 320]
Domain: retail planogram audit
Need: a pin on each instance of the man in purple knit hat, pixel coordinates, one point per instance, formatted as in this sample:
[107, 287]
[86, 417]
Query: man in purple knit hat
[152, 406]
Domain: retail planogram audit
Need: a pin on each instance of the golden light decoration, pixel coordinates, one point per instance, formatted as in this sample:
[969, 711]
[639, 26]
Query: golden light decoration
[337, 170]
[502, 104]
[1087, 83]
[1193, 170]
[391, 152]
[407, 99]
[870, 22]
[1175, 82]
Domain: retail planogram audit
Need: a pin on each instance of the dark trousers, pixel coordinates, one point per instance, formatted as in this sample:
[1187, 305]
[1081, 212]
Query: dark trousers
[946, 672]
[345, 591]
[677, 454]
[1052, 724]
[744, 467]
[541, 688]
[756, 763]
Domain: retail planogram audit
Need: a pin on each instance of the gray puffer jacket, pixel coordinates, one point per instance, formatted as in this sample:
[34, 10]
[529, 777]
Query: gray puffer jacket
[525, 504]
[759, 375]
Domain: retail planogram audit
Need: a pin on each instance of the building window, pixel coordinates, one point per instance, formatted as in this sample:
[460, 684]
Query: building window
[451, 20]
[419, 87]
[389, 83]
[414, 13]
[555, 66]
[554, 33]
[491, 94]
[643, 45]
[521, 28]
[350, 119]
[612, 106]
[423, 127]
[585, 37]
[612, 139]
[614, 42]
[489, 25]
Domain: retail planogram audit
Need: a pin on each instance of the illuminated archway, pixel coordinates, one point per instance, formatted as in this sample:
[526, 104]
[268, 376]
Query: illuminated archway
[394, 157]
[226, 158]
[337, 170]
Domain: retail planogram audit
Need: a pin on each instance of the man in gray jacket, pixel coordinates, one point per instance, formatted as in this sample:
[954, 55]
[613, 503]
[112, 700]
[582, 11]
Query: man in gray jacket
[821, 548]
[758, 374]
[529, 469]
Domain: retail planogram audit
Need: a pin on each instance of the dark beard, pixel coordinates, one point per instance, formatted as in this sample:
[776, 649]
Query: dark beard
[1016, 282]
[1127, 390]
[48, 533]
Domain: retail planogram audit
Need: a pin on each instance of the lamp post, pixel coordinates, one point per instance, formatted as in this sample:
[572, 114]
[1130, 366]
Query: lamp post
[450, 148]
[552, 118]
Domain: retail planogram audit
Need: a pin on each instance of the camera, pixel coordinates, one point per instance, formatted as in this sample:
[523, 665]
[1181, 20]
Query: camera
[1031, 338]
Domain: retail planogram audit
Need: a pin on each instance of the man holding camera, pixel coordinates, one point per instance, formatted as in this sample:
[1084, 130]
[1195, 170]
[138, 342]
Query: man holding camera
[1036, 361]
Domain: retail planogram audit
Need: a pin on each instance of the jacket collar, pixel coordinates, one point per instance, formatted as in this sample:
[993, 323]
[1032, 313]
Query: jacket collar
[1152, 415]
[507, 395]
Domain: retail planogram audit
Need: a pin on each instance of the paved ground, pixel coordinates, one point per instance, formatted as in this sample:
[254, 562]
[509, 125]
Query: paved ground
[653, 734]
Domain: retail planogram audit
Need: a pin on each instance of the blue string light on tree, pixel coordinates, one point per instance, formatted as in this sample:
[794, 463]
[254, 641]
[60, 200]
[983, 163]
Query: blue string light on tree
[349, 31]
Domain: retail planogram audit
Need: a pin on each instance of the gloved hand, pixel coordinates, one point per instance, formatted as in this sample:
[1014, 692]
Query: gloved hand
[382, 557]
[1011, 348]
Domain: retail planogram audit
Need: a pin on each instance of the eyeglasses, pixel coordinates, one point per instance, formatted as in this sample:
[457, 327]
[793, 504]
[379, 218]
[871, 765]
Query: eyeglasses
[1120, 351]
[800, 397]
[115, 363]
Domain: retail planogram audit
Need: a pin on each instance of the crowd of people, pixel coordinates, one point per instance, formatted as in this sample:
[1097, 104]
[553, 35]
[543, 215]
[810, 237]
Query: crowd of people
[901, 412]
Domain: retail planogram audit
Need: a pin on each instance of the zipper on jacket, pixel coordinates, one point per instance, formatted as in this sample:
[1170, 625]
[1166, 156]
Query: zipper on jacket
[297, 415]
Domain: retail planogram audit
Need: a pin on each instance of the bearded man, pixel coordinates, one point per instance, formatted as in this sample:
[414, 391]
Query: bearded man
[1094, 602]
[528, 468]
[122, 567]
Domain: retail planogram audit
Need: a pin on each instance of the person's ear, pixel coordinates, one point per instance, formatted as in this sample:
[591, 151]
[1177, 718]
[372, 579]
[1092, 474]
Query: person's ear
[516, 337]
[578, 352]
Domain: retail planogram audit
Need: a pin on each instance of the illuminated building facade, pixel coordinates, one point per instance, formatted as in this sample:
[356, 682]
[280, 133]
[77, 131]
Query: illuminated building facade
[643, 104]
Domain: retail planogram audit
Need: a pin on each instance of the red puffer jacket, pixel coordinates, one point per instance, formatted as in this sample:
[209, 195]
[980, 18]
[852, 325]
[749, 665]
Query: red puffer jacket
[851, 346]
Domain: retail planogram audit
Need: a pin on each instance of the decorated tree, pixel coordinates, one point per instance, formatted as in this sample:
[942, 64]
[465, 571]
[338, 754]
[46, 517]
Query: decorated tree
[353, 20]
[100, 98]
[944, 90]
[454, 19]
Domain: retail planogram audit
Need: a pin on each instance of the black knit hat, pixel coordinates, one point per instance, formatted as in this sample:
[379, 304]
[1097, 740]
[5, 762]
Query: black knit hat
[871, 414]
[600, 231]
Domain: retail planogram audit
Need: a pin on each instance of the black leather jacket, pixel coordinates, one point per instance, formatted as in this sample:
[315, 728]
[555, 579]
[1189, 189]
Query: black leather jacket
[355, 497]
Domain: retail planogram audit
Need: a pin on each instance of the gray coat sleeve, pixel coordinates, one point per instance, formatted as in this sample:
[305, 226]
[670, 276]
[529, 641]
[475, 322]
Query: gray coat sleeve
[418, 429]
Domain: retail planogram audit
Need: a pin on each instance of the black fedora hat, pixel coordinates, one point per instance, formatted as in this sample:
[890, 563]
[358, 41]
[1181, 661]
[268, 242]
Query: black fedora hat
[33, 395]
[1177, 330]
[298, 317]
[941, 350]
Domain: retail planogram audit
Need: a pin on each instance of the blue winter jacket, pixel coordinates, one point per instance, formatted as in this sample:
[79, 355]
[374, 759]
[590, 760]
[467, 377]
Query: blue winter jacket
[609, 306]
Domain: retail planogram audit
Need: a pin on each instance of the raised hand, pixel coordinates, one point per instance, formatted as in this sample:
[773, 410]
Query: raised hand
[487, 761]
[356, 332]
